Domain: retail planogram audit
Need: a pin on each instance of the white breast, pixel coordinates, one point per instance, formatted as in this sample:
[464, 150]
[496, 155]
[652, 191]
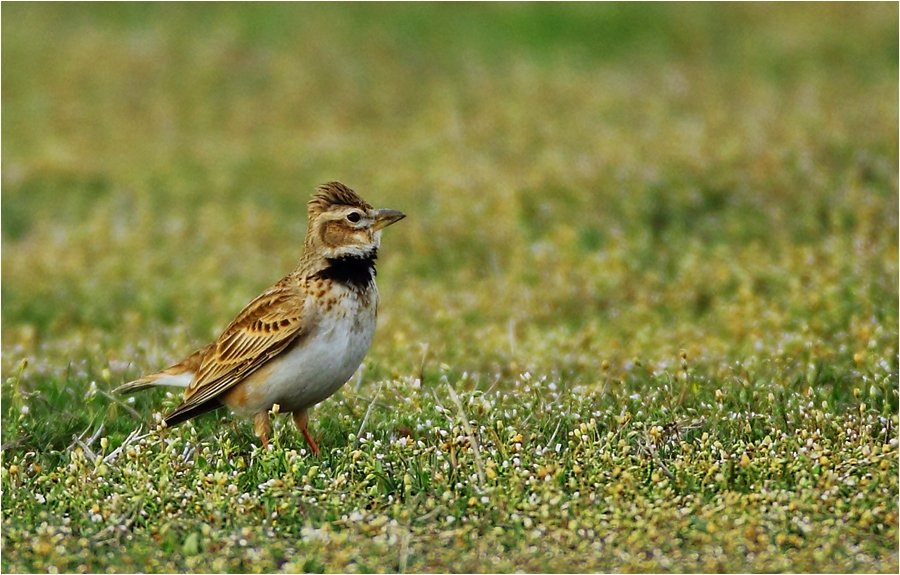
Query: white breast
[317, 365]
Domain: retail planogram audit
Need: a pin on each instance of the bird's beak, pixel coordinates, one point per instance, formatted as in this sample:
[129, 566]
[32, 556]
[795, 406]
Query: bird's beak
[384, 218]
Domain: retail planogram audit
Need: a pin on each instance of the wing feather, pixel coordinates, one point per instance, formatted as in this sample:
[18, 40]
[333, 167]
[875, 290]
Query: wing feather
[261, 331]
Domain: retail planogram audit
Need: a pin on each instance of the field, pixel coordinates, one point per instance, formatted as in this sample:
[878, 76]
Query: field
[642, 315]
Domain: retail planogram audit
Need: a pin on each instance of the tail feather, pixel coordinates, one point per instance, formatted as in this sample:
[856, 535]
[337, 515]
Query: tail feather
[164, 378]
[176, 416]
[179, 375]
[133, 386]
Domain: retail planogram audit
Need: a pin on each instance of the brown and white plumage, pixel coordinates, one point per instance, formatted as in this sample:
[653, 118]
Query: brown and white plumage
[299, 341]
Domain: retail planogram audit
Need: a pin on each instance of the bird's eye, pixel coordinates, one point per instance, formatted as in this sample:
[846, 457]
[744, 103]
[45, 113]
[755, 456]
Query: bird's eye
[353, 217]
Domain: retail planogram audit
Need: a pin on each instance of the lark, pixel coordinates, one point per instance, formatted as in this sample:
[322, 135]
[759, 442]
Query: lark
[299, 341]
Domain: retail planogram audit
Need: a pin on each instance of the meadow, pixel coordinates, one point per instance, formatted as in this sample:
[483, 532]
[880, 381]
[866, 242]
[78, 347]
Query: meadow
[642, 315]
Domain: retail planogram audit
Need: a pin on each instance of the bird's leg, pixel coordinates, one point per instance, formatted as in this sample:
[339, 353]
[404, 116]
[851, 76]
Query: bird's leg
[262, 428]
[301, 420]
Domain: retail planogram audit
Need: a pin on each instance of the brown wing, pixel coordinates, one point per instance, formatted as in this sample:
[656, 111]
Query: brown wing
[261, 331]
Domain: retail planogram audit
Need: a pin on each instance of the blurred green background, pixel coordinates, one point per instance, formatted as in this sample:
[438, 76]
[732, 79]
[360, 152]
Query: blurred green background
[157, 158]
[590, 189]
[628, 179]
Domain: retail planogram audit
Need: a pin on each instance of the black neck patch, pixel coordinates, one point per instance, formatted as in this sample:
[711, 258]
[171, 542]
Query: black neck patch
[356, 272]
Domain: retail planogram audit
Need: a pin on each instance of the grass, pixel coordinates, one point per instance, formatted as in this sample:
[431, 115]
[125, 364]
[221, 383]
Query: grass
[643, 314]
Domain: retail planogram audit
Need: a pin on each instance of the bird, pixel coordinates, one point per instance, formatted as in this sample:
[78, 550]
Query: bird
[299, 341]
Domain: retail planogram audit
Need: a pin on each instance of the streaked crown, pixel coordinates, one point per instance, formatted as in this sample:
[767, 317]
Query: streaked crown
[335, 194]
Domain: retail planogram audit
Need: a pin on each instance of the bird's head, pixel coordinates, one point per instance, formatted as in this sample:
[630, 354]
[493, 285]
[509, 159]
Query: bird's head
[342, 225]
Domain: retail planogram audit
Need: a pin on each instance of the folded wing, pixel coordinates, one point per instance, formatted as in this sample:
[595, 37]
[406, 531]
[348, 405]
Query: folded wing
[261, 331]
